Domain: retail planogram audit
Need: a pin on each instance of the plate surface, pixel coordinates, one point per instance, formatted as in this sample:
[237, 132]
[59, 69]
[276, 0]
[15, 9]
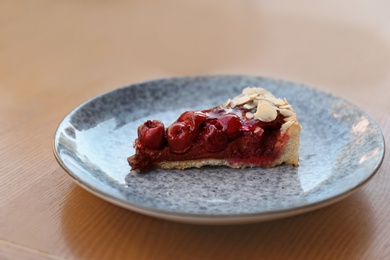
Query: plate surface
[341, 149]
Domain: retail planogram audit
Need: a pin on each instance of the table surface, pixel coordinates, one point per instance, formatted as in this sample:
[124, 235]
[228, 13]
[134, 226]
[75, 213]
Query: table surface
[56, 54]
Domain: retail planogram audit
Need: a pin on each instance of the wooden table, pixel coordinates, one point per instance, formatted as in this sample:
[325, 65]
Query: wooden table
[56, 54]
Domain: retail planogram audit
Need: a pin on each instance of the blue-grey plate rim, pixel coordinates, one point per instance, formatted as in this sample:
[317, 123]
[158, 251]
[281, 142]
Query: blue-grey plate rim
[214, 219]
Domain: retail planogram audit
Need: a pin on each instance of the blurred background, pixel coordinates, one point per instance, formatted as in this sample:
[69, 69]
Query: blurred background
[64, 46]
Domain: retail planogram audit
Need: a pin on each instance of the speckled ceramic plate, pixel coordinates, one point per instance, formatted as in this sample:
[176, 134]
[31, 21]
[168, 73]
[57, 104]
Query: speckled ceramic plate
[341, 149]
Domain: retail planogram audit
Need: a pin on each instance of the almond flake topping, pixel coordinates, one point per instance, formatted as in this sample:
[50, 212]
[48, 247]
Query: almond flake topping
[249, 115]
[286, 112]
[279, 102]
[249, 106]
[239, 100]
[258, 91]
[264, 106]
[286, 126]
[291, 118]
[266, 112]
[227, 103]
[285, 107]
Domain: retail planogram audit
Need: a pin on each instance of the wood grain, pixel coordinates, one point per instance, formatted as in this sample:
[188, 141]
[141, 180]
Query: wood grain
[55, 55]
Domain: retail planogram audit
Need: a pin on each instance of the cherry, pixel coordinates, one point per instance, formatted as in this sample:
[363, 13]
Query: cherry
[151, 134]
[214, 139]
[252, 141]
[231, 124]
[251, 144]
[194, 119]
[179, 137]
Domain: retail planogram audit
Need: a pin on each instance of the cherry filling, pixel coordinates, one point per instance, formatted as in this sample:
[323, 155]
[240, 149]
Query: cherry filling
[180, 137]
[151, 134]
[218, 133]
[214, 138]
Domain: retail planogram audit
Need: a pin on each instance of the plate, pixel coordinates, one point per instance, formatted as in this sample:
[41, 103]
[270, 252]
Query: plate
[341, 149]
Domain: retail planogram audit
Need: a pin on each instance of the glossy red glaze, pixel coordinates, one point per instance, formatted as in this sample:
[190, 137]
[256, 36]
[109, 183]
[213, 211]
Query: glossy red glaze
[194, 119]
[219, 133]
[231, 124]
[151, 134]
[179, 137]
[214, 139]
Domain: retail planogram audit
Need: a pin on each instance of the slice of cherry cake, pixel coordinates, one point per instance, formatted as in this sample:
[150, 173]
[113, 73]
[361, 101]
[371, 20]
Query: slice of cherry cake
[252, 129]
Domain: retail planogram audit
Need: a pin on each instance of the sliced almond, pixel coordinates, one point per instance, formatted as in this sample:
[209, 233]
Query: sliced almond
[269, 96]
[249, 115]
[285, 127]
[285, 107]
[264, 100]
[249, 90]
[249, 106]
[253, 96]
[279, 102]
[266, 112]
[240, 100]
[291, 118]
[286, 112]
[227, 103]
